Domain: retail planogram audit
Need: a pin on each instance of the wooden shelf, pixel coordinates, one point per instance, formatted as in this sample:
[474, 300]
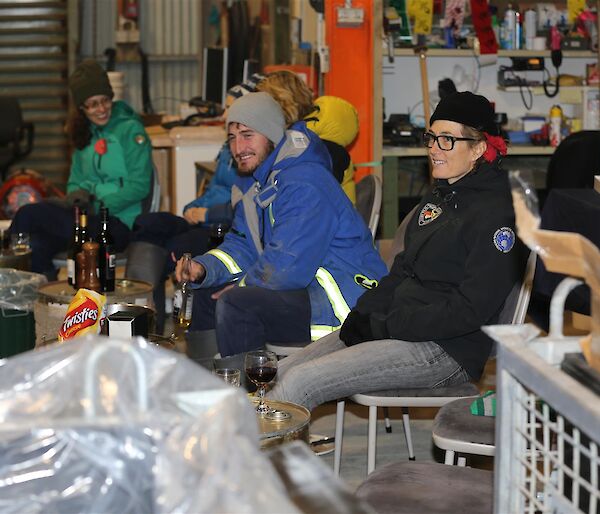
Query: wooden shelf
[469, 52]
[416, 151]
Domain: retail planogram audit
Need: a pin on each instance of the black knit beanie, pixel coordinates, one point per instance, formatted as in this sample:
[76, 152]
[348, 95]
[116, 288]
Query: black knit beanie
[89, 79]
[472, 110]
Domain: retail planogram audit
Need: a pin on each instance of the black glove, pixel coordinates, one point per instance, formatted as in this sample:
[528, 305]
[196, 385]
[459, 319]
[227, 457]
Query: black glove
[356, 329]
[82, 197]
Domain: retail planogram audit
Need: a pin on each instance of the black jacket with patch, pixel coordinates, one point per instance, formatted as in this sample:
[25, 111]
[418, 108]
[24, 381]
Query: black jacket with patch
[455, 271]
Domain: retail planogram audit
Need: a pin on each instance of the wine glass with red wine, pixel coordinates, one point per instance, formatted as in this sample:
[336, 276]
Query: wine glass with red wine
[261, 368]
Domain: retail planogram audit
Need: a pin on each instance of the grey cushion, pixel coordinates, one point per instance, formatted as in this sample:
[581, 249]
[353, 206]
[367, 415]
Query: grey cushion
[428, 487]
[465, 389]
[455, 421]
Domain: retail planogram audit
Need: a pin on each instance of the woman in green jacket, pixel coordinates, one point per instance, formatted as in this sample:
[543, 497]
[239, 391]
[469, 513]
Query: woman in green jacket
[111, 166]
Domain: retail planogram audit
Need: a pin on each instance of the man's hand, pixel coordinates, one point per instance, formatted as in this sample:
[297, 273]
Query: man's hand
[194, 273]
[195, 215]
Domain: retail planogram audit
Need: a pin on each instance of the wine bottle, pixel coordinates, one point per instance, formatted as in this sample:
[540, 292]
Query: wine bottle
[106, 254]
[74, 249]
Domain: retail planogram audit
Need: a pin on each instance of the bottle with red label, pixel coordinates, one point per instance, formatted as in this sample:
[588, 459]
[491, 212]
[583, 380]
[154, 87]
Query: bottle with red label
[107, 258]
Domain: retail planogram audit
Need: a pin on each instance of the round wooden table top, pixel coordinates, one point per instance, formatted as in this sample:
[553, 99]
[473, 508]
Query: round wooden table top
[125, 289]
[278, 431]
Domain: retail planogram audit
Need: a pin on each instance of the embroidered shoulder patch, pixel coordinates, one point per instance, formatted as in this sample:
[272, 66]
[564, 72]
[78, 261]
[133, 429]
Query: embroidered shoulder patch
[365, 282]
[504, 239]
[139, 139]
[428, 213]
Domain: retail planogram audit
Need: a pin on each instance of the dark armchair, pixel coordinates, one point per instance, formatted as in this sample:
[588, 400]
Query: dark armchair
[16, 136]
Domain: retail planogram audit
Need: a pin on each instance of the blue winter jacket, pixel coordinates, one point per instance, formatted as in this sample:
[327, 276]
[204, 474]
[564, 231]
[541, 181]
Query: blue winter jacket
[312, 237]
[217, 197]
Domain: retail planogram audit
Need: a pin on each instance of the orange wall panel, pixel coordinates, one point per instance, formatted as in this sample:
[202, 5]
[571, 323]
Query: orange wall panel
[351, 73]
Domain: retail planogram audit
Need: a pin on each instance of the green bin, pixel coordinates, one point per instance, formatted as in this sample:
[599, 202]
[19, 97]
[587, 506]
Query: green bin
[17, 332]
[18, 290]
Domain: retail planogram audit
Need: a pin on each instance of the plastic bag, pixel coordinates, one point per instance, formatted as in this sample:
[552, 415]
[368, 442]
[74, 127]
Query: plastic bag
[18, 289]
[97, 425]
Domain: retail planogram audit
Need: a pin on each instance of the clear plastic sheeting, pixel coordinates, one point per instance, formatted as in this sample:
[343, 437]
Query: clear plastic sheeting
[96, 425]
[18, 289]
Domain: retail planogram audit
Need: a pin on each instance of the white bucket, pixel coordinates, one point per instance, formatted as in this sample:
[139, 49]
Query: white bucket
[117, 82]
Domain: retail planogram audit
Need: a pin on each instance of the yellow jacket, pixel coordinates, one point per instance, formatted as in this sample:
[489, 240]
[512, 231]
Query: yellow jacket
[336, 119]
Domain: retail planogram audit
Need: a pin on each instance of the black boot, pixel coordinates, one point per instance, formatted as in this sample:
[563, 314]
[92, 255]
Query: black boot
[146, 262]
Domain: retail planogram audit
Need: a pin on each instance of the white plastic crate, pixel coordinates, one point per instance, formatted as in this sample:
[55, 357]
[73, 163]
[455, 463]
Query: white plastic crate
[547, 427]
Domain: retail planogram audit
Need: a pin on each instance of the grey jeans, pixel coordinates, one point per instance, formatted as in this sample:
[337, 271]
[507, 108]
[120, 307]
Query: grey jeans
[328, 370]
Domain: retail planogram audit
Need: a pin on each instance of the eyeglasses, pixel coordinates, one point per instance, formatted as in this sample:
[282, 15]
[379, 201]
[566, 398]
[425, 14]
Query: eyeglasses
[444, 142]
[96, 104]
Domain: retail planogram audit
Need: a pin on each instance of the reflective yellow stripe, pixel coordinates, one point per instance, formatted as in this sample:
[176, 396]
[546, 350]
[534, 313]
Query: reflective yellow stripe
[319, 331]
[226, 259]
[339, 305]
[271, 217]
[242, 283]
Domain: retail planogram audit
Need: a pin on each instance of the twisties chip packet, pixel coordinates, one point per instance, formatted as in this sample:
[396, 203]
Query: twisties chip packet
[86, 315]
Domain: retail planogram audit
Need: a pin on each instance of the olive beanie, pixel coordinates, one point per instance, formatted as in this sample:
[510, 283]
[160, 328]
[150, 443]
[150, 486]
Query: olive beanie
[260, 112]
[89, 79]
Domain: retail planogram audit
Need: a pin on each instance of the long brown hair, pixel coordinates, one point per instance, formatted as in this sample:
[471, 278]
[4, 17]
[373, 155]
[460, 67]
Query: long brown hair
[78, 128]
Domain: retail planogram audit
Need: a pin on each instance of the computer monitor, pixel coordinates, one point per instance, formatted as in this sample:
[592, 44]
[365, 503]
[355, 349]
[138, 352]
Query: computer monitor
[214, 75]
[251, 66]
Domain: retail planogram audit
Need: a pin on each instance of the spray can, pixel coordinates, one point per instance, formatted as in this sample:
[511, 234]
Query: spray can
[530, 28]
[510, 23]
[518, 31]
[555, 125]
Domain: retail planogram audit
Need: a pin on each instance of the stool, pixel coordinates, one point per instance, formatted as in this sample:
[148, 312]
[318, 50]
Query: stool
[455, 429]
[428, 487]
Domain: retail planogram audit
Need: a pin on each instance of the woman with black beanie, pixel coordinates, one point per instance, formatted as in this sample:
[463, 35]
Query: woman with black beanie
[421, 327]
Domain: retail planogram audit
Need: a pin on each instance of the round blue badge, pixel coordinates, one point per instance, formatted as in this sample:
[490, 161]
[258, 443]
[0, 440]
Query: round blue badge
[504, 239]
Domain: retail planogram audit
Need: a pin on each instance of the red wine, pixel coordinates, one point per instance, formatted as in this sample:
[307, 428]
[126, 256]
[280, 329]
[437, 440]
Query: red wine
[261, 374]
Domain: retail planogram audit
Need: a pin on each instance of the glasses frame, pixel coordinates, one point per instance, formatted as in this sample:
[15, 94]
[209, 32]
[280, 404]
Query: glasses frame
[104, 102]
[451, 138]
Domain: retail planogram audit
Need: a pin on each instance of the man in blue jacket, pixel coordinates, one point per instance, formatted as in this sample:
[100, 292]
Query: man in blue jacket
[298, 255]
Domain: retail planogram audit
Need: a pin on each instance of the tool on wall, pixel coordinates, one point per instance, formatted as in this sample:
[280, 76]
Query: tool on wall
[556, 57]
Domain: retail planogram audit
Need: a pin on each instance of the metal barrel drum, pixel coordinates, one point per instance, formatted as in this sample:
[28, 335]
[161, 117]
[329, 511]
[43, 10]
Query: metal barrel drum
[54, 298]
[162, 341]
[276, 432]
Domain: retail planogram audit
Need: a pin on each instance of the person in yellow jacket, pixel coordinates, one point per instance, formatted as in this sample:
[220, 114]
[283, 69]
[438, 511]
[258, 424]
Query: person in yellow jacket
[333, 119]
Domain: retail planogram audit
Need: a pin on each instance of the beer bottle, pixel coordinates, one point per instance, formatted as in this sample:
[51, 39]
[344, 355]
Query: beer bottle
[106, 254]
[83, 226]
[74, 249]
[185, 310]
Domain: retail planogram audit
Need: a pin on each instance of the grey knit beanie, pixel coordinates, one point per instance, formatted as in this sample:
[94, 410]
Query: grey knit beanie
[260, 112]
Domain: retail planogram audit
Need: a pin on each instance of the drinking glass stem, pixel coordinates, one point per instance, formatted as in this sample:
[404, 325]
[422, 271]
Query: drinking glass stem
[261, 400]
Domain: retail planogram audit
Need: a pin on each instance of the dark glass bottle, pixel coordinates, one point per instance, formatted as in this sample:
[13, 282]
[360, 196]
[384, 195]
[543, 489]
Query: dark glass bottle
[106, 254]
[74, 249]
[83, 226]
[217, 234]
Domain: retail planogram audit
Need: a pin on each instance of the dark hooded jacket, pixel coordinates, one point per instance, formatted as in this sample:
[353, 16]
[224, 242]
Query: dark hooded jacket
[460, 262]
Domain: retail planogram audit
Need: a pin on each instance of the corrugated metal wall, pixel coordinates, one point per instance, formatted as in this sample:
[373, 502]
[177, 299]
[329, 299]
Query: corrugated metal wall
[33, 69]
[171, 36]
